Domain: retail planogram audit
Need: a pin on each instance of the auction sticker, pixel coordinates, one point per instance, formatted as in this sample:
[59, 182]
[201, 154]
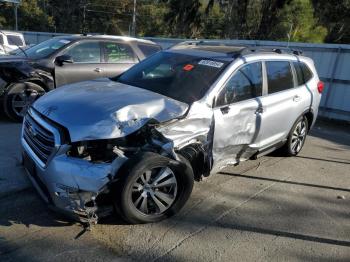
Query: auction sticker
[211, 63]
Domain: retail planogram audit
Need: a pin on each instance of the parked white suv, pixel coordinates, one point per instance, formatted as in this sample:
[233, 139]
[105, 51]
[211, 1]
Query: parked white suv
[10, 41]
[139, 140]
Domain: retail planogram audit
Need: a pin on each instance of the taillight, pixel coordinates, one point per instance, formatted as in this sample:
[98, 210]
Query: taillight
[320, 87]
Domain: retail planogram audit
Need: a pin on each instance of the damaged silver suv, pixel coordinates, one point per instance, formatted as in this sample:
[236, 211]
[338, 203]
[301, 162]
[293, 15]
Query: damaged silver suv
[137, 142]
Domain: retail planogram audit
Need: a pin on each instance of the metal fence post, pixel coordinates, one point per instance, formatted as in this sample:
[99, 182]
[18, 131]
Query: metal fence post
[328, 94]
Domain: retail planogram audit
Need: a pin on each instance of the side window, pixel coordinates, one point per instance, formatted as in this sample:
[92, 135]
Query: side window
[14, 40]
[148, 50]
[118, 53]
[279, 76]
[1, 40]
[304, 73]
[246, 83]
[86, 52]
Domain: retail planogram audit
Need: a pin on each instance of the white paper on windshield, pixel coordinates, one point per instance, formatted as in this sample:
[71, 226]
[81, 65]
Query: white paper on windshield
[64, 41]
[211, 63]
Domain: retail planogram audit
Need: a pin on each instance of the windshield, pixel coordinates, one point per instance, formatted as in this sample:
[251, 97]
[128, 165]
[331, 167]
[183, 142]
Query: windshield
[45, 48]
[182, 77]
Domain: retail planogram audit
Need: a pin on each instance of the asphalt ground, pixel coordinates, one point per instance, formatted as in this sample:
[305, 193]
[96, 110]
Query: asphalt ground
[270, 209]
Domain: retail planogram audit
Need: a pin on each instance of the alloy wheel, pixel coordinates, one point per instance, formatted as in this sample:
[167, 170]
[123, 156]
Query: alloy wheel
[154, 191]
[298, 136]
[23, 100]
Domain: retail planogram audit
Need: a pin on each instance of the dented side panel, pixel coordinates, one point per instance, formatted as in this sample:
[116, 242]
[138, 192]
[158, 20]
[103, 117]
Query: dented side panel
[194, 128]
[235, 130]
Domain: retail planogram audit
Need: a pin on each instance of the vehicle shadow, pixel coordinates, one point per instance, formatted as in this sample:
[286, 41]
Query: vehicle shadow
[286, 181]
[4, 119]
[333, 132]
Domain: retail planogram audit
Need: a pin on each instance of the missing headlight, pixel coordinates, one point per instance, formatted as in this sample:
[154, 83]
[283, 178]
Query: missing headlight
[94, 151]
[106, 150]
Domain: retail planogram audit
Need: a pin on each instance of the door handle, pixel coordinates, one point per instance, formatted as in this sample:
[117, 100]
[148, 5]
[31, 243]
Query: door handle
[98, 70]
[296, 98]
[224, 110]
[259, 111]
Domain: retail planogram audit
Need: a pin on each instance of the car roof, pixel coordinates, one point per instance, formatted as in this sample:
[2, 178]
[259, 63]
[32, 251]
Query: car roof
[6, 32]
[209, 50]
[106, 37]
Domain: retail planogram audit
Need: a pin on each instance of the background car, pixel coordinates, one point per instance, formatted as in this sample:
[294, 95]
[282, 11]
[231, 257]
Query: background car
[10, 41]
[63, 60]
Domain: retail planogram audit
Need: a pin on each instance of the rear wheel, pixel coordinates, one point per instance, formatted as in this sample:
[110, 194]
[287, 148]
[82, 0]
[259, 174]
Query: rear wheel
[153, 189]
[296, 138]
[19, 97]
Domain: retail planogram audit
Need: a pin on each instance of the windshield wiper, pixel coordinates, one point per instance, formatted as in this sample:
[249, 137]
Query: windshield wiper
[24, 52]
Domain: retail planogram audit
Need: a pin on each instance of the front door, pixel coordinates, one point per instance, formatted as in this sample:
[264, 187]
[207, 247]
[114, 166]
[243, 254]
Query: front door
[86, 64]
[237, 116]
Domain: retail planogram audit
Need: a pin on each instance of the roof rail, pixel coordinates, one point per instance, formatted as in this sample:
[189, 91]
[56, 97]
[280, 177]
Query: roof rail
[269, 49]
[204, 43]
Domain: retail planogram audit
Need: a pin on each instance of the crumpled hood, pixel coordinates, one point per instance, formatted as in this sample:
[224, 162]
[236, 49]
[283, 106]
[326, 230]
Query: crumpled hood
[103, 109]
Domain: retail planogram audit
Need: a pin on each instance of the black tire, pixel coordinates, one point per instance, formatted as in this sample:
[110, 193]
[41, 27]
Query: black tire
[19, 97]
[124, 192]
[290, 148]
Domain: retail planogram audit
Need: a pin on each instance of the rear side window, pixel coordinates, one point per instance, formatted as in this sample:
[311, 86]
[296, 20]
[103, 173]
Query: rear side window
[118, 53]
[279, 76]
[1, 40]
[14, 40]
[246, 83]
[303, 73]
[148, 50]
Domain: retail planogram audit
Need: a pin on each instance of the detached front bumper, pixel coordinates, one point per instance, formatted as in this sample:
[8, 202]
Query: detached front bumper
[69, 185]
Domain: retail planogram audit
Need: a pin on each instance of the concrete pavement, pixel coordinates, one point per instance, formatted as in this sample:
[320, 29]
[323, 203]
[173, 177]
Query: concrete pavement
[12, 175]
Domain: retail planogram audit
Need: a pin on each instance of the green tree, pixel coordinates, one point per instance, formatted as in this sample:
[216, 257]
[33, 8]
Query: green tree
[271, 20]
[150, 19]
[213, 22]
[184, 18]
[30, 16]
[298, 23]
[335, 16]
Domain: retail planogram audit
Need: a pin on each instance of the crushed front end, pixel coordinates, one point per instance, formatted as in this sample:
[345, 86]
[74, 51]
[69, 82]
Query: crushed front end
[75, 178]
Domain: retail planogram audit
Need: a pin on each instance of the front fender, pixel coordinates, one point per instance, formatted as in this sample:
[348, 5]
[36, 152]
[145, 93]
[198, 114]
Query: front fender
[22, 71]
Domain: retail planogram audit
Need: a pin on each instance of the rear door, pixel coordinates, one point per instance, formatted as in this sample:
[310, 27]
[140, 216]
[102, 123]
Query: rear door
[280, 107]
[236, 112]
[118, 57]
[86, 55]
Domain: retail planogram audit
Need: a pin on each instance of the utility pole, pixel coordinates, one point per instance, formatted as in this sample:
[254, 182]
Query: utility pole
[134, 20]
[84, 19]
[16, 17]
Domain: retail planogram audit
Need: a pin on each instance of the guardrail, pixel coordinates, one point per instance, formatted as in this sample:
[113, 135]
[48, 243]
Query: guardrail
[332, 62]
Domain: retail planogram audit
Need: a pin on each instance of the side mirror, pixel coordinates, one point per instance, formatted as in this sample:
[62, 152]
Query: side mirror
[64, 59]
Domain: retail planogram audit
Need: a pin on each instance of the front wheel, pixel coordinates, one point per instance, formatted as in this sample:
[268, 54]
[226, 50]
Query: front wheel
[153, 189]
[297, 137]
[19, 97]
